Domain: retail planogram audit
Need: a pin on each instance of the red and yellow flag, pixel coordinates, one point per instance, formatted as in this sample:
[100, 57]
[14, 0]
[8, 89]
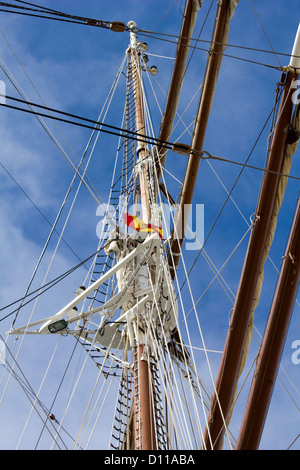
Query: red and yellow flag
[137, 224]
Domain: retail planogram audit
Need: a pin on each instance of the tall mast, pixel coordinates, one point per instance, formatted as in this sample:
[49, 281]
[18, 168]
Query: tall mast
[272, 346]
[143, 420]
[224, 13]
[140, 124]
[241, 320]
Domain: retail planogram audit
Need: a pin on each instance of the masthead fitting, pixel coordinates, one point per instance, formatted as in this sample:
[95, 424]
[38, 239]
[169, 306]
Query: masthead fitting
[153, 70]
[295, 57]
[131, 25]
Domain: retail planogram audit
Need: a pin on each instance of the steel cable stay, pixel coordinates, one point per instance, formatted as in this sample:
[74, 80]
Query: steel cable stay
[200, 330]
[208, 41]
[165, 144]
[230, 56]
[58, 13]
[229, 193]
[156, 176]
[22, 94]
[73, 392]
[104, 402]
[59, 16]
[158, 353]
[38, 393]
[97, 125]
[186, 370]
[187, 129]
[62, 17]
[48, 131]
[182, 306]
[24, 192]
[31, 395]
[264, 31]
[31, 110]
[172, 392]
[191, 296]
[258, 342]
[89, 404]
[54, 400]
[50, 134]
[68, 192]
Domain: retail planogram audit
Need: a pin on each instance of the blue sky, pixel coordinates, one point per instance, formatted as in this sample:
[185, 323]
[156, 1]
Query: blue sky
[72, 67]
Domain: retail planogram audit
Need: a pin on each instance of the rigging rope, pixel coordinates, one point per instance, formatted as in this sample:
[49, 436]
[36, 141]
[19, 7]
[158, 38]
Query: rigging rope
[56, 15]
[133, 135]
[109, 129]
[42, 289]
[25, 385]
[194, 308]
[49, 132]
[243, 59]
[118, 26]
[153, 330]
[61, 423]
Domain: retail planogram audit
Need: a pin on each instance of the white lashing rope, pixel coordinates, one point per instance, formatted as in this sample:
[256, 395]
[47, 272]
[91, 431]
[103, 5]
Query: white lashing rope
[182, 305]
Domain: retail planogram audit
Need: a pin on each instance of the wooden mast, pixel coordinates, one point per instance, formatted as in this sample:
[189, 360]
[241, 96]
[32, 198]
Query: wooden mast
[222, 399]
[218, 44]
[187, 28]
[144, 438]
[188, 23]
[272, 346]
[192, 6]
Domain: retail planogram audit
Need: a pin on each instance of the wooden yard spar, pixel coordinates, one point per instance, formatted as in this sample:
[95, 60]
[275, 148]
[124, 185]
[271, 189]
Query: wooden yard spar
[235, 350]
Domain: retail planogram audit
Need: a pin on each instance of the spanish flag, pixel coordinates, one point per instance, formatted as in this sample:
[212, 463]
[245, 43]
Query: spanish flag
[137, 224]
